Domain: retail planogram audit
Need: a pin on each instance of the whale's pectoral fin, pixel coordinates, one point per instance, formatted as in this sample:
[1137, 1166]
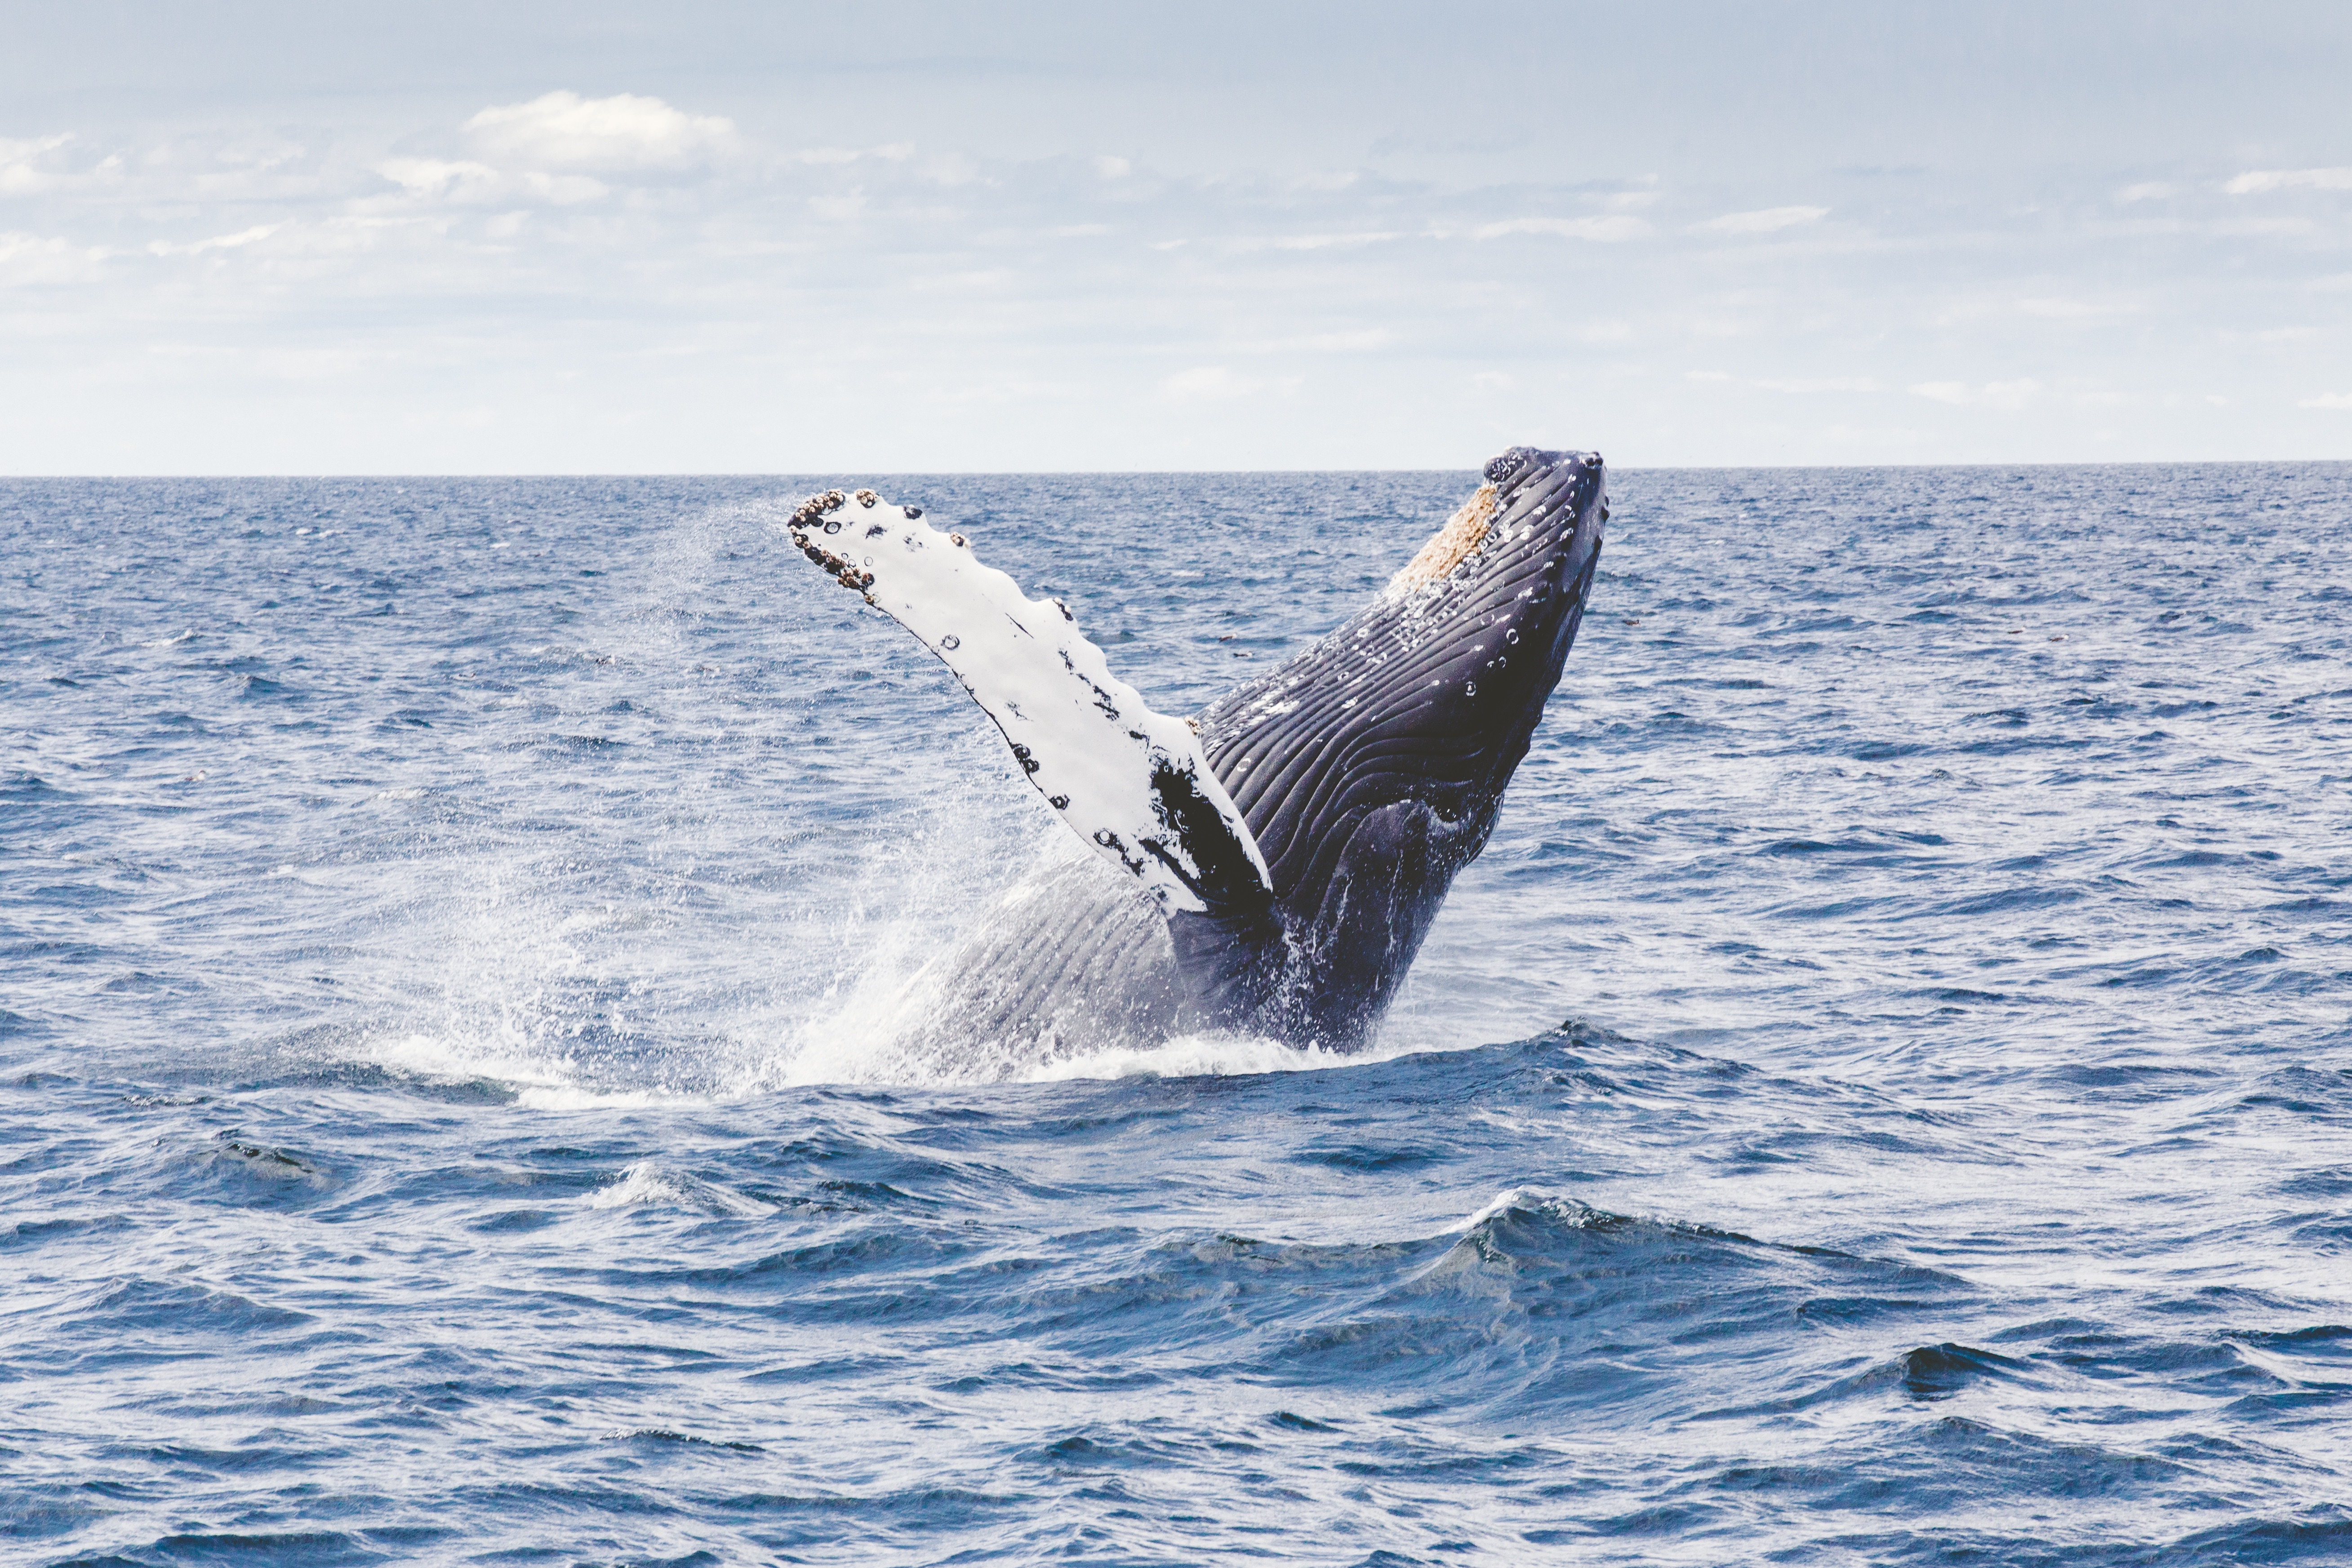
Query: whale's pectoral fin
[1131, 783]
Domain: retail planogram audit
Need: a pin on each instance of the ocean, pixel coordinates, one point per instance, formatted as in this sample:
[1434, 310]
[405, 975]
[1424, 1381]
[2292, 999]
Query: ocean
[1884, 1095]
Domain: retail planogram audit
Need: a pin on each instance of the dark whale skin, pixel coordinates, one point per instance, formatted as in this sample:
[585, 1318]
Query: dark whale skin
[1370, 769]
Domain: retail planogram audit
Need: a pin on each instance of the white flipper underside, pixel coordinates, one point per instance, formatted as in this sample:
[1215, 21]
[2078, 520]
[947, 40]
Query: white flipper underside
[1130, 781]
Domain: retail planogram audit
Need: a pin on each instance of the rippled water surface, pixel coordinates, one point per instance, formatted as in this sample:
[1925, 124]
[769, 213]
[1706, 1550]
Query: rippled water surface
[1884, 1095]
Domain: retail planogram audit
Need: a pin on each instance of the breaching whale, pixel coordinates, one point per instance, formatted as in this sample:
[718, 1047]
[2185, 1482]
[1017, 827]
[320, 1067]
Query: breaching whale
[1272, 865]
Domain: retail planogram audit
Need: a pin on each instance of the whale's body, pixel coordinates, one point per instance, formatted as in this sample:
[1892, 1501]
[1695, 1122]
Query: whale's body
[1292, 857]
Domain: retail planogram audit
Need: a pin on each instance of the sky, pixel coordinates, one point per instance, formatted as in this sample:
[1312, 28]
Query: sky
[784, 238]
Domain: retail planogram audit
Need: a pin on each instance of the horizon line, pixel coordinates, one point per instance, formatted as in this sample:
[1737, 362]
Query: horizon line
[1142, 473]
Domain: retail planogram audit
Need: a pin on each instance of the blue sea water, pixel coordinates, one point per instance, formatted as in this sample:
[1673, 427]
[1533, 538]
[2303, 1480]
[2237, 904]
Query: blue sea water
[1884, 1095]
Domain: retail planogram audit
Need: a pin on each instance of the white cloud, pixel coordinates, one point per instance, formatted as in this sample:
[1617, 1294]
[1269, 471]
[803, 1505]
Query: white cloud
[1364, 341]
[2074, 310]
[20, 171]
[1822, 384]
[2328, 400]
[1327, 241]
[1111, 168]
[894, 153]
[2008, 395]
[565, 131]
[2255, 181]
[1209, 381]
[2285, 228]
[1764, 220]
[218, 241]
[438, 177]
[33, 258]
[467, 182]
[1793, 385]
[1607, 231]
[2147, 191]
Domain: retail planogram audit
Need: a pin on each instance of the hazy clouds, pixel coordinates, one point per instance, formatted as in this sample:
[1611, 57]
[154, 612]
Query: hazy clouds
[765, 238]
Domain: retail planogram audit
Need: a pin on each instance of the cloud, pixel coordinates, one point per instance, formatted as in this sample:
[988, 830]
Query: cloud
[218, 241]
[2008, 394]
[1606, 230]
[1209, 381]
[1822, 384]
[892, 153]
[465, 182]
[1363, 340]
[1111, 168]
[34, 258]
[20, 171]
[2074, 310]
[562, 130]
[1791, 386]
[1327, 241]
[1764, 220]
[2147, 191]
[437, 176]
[2255, 181]
[2328, 400]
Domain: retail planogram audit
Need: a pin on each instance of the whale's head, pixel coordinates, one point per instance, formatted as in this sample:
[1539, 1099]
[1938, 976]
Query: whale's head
[1370, 768]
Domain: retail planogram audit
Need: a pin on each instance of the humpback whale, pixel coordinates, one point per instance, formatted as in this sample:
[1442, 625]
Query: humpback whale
[1271, 865]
